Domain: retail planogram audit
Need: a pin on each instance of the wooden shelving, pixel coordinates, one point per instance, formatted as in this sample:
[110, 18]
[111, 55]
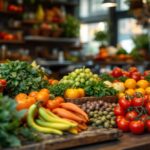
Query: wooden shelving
[11, 42]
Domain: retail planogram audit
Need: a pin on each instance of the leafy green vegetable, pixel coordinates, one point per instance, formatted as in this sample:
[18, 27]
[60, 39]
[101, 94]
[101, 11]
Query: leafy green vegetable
[22, 77]
[106, 77]
[59, 89]
[10, 124]
[99, 89]
[122, 78]
[121, 51]
[71, 27]
[147, 78]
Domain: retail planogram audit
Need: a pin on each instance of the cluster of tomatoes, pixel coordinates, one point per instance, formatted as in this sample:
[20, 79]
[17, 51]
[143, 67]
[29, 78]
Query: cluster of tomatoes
[133, 114]
[3, 84]
[132, 72]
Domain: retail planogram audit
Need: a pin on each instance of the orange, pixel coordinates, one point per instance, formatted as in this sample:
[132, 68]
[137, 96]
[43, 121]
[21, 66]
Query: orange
[130, 83]
[143, 84]
[71, 93]
[43, 96]
[20, 97]
[33, 94]
[121, 94]
[140, 90]
[44, 90]
[81, 92]
[26, 103]
[130, 92]
[147, 90]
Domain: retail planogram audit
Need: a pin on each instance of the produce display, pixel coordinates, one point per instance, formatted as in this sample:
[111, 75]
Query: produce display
[39, 105]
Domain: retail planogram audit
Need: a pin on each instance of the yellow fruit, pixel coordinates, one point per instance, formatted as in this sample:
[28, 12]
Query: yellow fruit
[140, 90]
[143, 84]
[81, 92]
[121, 95]
[72, 93]
[130, 92]
[147, 90]
[130, 83]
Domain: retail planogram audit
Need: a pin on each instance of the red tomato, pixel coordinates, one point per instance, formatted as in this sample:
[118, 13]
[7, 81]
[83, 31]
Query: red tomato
[118, 118]
[147, 72]
[118, 111]
[133, 69]
[148, 107]
[125, 104]
[148, 125]
[136, 76]
[123, 125]
[137, 101]
[131, 115]
[117, 72]
[3, 82]
[144, 117]
[136, 127]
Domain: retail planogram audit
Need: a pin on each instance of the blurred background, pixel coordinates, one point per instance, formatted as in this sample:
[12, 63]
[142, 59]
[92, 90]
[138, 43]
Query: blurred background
[62, 35]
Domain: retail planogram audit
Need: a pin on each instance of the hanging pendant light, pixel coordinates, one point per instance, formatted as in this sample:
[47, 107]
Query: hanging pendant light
[109, 3]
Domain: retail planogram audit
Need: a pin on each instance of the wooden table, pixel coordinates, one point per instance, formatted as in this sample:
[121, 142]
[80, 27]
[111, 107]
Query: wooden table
[127, 142]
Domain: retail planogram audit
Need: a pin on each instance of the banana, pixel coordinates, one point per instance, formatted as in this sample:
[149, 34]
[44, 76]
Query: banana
[46, 116]
[73, 131]
[31, 123]
[58, 126]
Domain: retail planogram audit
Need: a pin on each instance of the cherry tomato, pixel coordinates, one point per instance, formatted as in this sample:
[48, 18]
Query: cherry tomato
[147, 72]
[144, 117]
[125, 104]
[136, 127]
[137, 101]
[117, 72]
[148, 125]
[123, 125]
[148, 107]
[118, 111]
[131, 115]
[3, 82]
[118, 118]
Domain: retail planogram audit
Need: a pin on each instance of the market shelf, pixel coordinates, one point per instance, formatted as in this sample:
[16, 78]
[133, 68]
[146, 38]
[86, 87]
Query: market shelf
[10, 13]
[52, 41]
[11, 42]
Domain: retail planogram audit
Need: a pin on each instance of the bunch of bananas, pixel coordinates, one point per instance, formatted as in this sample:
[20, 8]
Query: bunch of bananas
[48, 122]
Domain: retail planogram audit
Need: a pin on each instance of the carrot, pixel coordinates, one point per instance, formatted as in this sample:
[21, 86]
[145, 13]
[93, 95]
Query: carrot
[67, 114]
[74, 108]
[82, 126]
[81, 116]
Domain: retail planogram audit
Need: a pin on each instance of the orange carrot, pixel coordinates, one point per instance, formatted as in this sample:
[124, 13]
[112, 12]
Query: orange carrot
[74, 108]
[82, 126]
[81, 116]
[67, 114]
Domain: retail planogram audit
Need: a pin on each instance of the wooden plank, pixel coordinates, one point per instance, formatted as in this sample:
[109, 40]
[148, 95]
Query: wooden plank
[53, 142]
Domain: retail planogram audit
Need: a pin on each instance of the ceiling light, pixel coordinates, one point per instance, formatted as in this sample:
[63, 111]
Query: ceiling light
[109, 3]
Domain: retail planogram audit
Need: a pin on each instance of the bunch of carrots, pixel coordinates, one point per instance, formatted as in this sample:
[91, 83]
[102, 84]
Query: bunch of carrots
[72, 112]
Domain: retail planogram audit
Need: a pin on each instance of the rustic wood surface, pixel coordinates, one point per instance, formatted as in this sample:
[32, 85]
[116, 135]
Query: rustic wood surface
[110, 99]
[67, 141]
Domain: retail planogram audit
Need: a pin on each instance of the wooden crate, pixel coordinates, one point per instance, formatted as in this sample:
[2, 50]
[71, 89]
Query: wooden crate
[91, 136]
[109, 99]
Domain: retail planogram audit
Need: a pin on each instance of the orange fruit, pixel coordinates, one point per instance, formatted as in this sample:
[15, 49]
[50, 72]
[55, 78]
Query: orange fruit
[45, 90]
[147, 90]
[121, 95]
[33, 94]
[143, 84]
[130, 83]
[43, 96]
[26, 103]
[130, 92]
[20, 97]
[81, 92]
[140, 90]
[71, 93]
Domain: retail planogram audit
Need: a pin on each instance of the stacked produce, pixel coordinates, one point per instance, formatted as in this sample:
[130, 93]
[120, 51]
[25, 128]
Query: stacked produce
[100, 113]
[133, 114]
[22, 77]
